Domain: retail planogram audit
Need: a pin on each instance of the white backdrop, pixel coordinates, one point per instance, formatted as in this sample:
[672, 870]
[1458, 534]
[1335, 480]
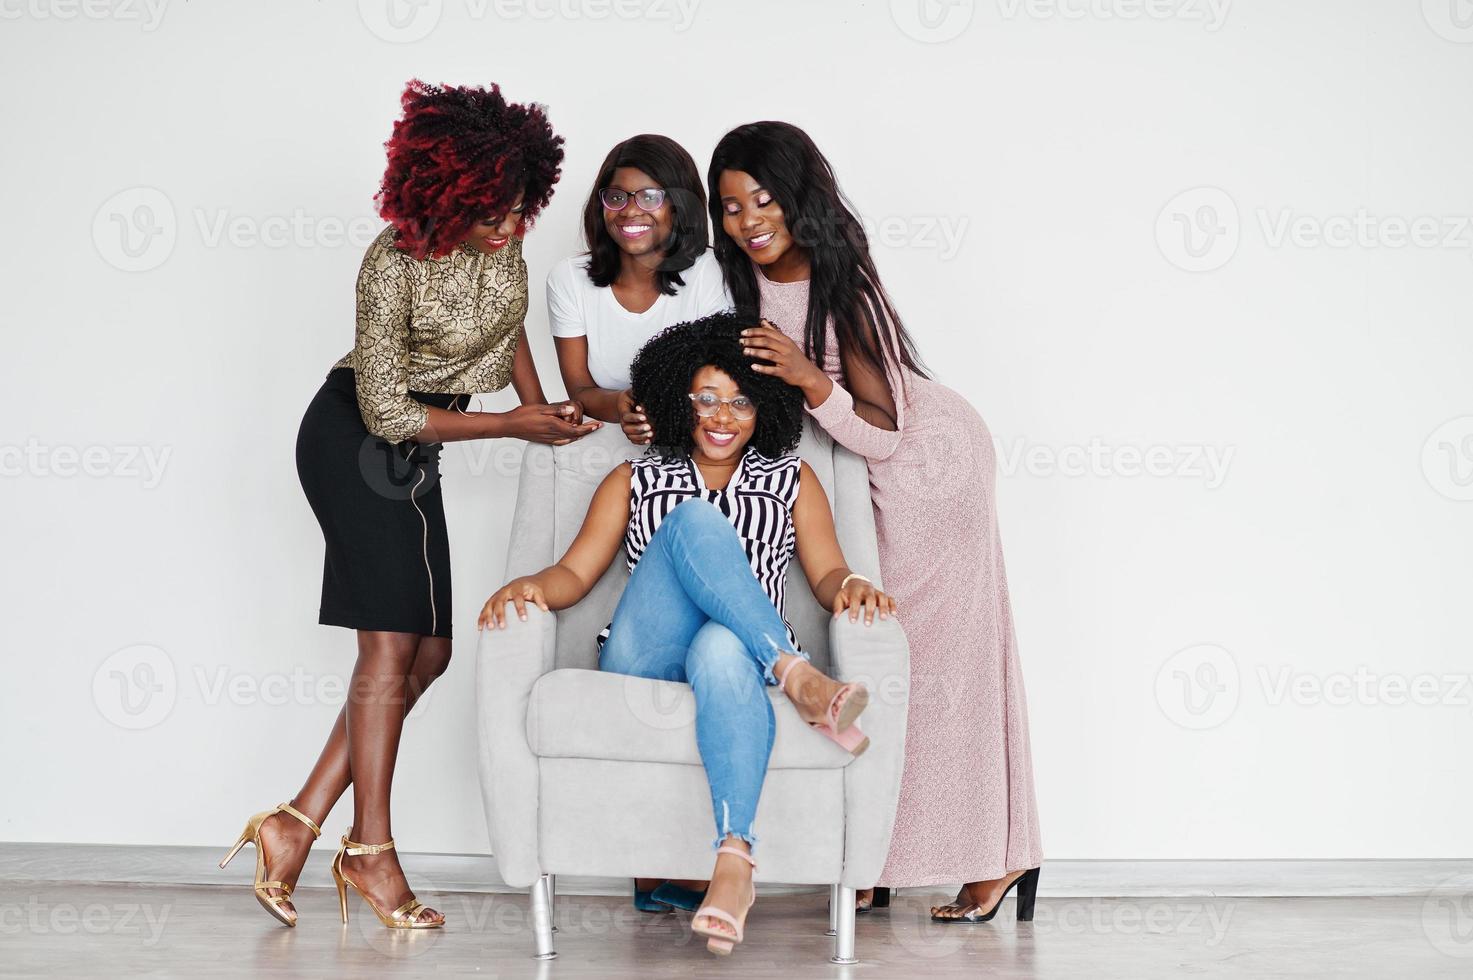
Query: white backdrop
[1203, 266]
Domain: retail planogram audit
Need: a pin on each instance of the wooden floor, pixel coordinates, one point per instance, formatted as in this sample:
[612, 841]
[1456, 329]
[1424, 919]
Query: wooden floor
[116, 930]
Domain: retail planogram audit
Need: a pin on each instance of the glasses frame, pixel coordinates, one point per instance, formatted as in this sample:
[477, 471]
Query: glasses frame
[633, 196]
[727, 402]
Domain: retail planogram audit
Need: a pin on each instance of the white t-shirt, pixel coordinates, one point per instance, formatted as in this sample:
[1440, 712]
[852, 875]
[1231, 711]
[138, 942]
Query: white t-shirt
[577, 308]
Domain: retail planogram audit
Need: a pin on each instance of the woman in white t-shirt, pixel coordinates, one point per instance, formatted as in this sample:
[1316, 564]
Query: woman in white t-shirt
[647, 267]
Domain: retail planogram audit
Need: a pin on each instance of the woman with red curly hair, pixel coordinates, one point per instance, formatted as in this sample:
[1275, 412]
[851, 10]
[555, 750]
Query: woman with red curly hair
[441, 299]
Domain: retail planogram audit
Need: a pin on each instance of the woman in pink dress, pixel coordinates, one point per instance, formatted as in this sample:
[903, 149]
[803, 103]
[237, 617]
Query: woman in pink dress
[794, 253]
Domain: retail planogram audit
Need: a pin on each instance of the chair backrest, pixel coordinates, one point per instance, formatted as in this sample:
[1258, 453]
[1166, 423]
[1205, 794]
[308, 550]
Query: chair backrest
[557, 484]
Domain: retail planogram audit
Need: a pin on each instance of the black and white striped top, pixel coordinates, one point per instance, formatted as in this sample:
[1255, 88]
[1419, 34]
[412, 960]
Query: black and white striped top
[758, 500]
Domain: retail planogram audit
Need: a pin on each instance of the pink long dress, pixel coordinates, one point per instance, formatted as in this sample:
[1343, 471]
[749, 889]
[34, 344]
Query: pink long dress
[967, 810]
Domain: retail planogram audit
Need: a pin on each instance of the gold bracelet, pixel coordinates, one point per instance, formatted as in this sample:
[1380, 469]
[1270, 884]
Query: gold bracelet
[849, 576]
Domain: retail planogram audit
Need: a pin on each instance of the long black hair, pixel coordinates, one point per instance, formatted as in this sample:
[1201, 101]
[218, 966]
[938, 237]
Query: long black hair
[672, 168]
[844, 285]
[665, 366]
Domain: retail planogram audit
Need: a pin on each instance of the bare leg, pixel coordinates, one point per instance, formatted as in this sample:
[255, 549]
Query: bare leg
[377, 700]
[810, 689]
[288, 841]
[977, 895]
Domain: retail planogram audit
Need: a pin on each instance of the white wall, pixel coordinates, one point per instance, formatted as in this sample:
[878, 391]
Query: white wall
[1026, 178]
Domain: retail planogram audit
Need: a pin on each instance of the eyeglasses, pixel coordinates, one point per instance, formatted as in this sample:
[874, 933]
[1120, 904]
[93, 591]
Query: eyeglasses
[708, 404]
[617, 199]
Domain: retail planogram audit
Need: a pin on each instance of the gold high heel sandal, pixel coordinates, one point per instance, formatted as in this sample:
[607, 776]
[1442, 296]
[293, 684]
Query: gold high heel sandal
[405, 916]
[252, 835]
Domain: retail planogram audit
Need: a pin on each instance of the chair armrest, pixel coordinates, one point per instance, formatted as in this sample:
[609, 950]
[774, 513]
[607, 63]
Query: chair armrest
[509, 662]
[879, 656]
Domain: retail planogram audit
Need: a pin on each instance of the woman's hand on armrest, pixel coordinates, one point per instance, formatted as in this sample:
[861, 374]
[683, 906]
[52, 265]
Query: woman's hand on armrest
[555, 587]
[519, 592]
[588, 557]
[833, 584]
[860, 594]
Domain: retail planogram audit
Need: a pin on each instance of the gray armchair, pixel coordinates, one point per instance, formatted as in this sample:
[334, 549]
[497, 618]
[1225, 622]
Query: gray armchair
[572, 758]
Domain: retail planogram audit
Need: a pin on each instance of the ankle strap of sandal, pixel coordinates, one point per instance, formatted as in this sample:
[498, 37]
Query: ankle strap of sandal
[352, 848]
[288, 808]
[782, 679]
[724, 849]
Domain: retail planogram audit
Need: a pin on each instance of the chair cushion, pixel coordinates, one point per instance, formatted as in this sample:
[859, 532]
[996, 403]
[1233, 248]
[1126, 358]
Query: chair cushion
[590, 714]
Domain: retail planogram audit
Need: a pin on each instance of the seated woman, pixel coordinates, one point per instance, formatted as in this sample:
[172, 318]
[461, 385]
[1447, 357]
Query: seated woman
[709, 519]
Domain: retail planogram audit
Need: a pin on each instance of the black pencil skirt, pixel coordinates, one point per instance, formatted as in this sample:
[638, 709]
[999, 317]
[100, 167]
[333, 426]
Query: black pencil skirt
[387, 565]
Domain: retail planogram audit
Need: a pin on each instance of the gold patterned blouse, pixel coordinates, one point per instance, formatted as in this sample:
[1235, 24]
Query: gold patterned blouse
[448, 325]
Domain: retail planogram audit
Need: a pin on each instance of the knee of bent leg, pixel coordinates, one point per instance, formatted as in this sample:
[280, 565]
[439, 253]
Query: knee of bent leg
[433, 658]
[697, 512]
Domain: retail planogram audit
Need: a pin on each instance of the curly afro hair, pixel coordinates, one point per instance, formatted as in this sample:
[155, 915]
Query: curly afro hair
[461, 154]
[664, 368]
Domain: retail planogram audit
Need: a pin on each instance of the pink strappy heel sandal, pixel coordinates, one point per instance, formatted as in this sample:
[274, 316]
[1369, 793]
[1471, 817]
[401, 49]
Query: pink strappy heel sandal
[717, 941]
[840, 715]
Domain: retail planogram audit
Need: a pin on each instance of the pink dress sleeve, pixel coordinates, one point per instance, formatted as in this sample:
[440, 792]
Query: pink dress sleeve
[837, 416]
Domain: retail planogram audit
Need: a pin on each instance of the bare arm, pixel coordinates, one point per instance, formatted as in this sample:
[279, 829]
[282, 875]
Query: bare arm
[823, 560]
[572, 361]
[524, 373]
[535, 423]
[565, 583]
[602, 403]
[535, 420]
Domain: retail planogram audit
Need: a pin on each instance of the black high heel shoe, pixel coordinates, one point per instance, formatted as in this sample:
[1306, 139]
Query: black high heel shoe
[879, 899]
[1027, 885]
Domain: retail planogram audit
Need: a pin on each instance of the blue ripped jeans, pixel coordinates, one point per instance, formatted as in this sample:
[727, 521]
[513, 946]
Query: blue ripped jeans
[694, 612]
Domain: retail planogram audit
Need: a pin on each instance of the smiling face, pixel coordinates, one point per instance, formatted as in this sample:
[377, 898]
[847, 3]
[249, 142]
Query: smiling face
[493, 232]
[636, 231]
[751, 217]
[722, 438]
